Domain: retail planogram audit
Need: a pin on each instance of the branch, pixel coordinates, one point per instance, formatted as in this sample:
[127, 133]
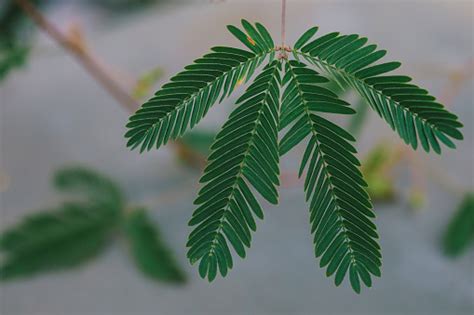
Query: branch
[81, 55]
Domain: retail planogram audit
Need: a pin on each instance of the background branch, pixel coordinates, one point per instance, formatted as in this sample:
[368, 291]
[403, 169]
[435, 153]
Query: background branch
[81, 55]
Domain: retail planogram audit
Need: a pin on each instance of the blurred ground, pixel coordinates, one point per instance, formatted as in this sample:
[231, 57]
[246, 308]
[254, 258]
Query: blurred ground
[53, 114]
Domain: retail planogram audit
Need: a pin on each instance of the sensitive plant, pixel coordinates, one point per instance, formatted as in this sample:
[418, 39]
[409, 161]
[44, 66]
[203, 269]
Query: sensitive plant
[281, 108]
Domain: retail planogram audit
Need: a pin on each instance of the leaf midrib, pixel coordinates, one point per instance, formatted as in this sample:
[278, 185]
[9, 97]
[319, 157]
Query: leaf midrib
[347, 239]
[354, 78]
[191, 97]
[242, 164]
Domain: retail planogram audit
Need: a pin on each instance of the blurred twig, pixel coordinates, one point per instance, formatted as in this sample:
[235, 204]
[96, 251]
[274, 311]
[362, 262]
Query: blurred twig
[74, 45]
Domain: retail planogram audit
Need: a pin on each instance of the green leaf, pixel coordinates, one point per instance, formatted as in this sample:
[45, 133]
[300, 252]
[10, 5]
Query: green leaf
[151, 254]
[459, 234]
[256, 38]
[408, 109]
[58, 239]
[94, 186]
[358, 120]
[183, 102]
[340, 208]
[305, 37]
[15, 37]
[11, 58]
[244, 152]
[199, 141]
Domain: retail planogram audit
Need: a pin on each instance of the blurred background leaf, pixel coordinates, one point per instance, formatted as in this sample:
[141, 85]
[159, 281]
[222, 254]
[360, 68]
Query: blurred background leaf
[146, 82]
[375, 167]
[150, 252]
[356, 122]
[194, 147]
[62, 238]
[92, 185]
[124, 6]
[459, 234]
[15, 36]
[78, 230]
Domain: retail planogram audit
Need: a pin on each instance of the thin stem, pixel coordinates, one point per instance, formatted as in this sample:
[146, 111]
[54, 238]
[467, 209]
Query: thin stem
[81, 55]
[283, 49]
[283, 22]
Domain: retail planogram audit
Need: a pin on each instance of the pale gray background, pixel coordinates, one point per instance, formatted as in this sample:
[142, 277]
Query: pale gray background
[53, 113]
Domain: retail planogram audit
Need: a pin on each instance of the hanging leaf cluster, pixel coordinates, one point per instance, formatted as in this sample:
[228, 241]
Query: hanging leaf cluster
[288, 103]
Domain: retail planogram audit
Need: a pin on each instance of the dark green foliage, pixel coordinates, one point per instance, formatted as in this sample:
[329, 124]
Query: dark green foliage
[459, 234]
[15, 36]
[199, 141]
[92, 185]
[340, 208]
[408, 109]
[183, 102]
[11, 57]
[357, 121]
[246, 151]
[76, 231]
[56, 239]
[125, 6]
[225, 203]
[150, 252]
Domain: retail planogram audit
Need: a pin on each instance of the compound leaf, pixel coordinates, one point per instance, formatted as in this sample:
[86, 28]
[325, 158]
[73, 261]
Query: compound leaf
[407, 108]
[183, 102]
[244, 152]
[340, 208]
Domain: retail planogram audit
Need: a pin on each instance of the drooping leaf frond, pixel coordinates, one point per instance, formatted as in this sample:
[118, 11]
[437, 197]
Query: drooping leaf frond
[96, 187]
[245, 152]
[183, 102]
[149, 250]
[340, 208]
[408, 109]
[56, 239]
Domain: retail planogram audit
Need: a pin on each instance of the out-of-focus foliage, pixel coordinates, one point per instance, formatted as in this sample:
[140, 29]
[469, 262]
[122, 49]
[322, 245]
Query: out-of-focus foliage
[145, 83]
[10, 58]
[68, 235]
[16, 31]
[199, 140]
[194, 147]
[417, 198]
[356, 123]
[85, 182]
[150, 252]
[122, 5]
[459, 234]
[375, 169]
[76, 231]
[15, 36]
[57, 239]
